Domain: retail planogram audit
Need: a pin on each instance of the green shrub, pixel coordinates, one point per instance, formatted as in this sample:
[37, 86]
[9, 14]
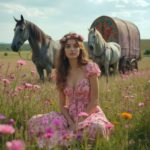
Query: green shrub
[147, 52]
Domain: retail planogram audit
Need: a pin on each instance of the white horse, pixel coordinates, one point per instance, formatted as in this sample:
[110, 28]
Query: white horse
[105, 54]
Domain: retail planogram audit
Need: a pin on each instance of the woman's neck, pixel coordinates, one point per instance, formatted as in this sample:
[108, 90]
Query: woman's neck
[74, 64]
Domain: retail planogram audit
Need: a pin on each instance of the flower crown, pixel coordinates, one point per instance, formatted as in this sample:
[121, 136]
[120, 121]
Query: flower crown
[71, 36]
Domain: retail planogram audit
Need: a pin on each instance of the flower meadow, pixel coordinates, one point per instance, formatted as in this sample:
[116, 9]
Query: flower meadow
[125, 101]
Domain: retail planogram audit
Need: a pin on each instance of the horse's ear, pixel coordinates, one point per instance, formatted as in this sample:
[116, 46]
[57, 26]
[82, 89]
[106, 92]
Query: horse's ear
[94, 29]
[22, 19]
[16, 19]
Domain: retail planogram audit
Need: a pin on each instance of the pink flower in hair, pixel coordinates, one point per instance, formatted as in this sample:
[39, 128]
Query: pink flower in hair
[63, 39]
[76, 36]
[71, 36]
[80, 37]
[68, 36]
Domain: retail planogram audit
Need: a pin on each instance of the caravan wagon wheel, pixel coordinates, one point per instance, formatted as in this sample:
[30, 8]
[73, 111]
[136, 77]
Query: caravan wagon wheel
[124, 65]
[134, 64]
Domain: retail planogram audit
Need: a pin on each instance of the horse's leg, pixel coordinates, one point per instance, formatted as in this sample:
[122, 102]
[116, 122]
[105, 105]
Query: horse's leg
[106, 67]
[115, 67]
[48, 71]
[40, 72]
[48, 75]
[136, 63]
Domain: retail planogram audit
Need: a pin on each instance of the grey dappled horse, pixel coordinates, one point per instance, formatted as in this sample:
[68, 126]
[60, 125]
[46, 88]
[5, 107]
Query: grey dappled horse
[104, 53]
[44, 48]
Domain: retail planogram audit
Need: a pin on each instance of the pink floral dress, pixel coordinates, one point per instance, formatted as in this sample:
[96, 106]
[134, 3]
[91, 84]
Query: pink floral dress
[52, 128]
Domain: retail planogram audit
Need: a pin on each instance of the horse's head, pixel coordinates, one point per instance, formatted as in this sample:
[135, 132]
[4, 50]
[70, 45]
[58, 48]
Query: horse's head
[21, 34]
[95, 42]
[92, 40]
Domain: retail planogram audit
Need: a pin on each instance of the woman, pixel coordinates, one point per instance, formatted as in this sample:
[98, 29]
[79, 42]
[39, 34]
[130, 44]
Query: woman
[77, 84]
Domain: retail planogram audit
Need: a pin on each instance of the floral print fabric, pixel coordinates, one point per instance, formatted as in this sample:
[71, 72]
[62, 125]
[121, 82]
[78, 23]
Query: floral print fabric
[55, 126]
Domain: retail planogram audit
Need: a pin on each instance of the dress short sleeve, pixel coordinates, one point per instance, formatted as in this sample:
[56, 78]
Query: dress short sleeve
[92, 69]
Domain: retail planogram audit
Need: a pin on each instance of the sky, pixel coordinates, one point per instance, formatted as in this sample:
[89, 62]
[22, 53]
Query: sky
[58, 17]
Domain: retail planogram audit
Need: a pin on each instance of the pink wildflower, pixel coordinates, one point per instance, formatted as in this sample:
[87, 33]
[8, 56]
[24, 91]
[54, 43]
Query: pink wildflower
[79, 136]
[11, 121]
[109, 126]
[140, 104]
[49, 133]
[21, 62]
[11, 76]
[6, 129]
[28, 85]
[19, 88]
[33, 72]
[6, 81]
[57, 122]
[15, 145]
[48, 102]
[2, 116]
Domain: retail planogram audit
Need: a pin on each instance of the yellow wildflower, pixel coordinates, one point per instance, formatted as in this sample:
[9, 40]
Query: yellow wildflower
[126, 115]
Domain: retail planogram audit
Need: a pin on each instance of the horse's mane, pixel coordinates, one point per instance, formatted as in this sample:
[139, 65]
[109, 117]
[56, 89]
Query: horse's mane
[36, 32]
[100, 35]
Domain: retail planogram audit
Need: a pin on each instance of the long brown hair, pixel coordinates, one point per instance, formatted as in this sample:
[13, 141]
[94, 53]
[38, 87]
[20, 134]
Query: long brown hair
[63, 66]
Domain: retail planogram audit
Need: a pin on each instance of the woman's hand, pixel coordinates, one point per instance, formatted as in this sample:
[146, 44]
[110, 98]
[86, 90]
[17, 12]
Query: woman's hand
[72, 127]
[82, 118]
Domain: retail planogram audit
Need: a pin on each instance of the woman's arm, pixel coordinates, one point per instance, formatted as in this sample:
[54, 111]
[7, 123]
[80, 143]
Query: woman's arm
[64, 109]
[94, 94]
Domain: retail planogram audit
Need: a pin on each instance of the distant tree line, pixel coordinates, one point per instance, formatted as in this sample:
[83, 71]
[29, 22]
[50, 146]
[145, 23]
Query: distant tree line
[145, 45]
[7, 47]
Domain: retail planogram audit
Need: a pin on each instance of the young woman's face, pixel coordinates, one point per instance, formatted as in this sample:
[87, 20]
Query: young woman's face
[72, 49]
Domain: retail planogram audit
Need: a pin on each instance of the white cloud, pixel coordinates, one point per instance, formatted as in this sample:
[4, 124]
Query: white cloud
[28, 11]
[96, 1]
[142, 3]
[107, 1]
[136, 3]
[129, 14]
[122, 14]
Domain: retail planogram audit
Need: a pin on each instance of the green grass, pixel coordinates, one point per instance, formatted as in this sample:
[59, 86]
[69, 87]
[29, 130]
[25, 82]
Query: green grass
[122, 94]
